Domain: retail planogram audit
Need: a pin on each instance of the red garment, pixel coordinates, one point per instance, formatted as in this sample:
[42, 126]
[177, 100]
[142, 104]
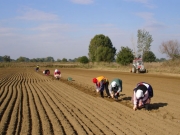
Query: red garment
[57, 73]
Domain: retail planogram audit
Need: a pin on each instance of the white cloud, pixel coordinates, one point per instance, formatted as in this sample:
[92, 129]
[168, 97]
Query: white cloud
[36, 15]
[144, 2]
[150, 22]
[52, 27]
[82, 1]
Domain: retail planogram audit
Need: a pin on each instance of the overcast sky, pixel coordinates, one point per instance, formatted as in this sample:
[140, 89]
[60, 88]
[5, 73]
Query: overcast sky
[64, 28]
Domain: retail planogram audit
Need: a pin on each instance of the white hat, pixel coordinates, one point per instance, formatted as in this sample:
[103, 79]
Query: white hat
[139, 94]
[113, 84]
[56, 70]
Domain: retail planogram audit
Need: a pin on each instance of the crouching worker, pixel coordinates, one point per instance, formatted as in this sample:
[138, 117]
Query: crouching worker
[37, 68]
[57, 74]
[46, 72]
[115, 88]
[99, 84]
[142, 95]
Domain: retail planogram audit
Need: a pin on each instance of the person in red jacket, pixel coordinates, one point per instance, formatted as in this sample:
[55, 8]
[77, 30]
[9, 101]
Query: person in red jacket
[57, 74]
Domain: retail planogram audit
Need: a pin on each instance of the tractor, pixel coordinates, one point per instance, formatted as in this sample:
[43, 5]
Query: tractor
[138, 66]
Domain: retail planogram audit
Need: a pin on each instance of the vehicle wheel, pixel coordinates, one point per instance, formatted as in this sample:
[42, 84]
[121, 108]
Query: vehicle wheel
[138, 71]
[133, 70]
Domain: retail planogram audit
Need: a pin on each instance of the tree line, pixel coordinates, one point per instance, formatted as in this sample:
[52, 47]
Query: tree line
[101, 49]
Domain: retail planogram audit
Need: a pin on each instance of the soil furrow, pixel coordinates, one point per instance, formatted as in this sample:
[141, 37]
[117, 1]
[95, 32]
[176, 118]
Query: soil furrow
[50, 93]
[76, 112]
[36, 120]
[46, 125]
[14, 117]
[86, 107]
[26, 113]
[55, 123]
[8, 110]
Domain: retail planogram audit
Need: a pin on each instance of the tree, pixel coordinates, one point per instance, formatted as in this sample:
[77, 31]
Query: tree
[6, 58]
[144, 41]
[101, 49]
[1, 58]
[58, 60]
[64, 60]
[21, 59]
[171, 48]
[49, 59]
[84, 60]
[125, 56]
[149, 56]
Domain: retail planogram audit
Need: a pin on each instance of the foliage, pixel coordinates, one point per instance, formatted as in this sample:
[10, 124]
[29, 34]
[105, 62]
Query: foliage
[149, 56]
[64, 60]
[1, 58]
[125, 56]
[101, 49]
[171, 48]
[144, 41]
[49, 59]
[6, 58]
[58, 60]
[22, 59]
[84, 60]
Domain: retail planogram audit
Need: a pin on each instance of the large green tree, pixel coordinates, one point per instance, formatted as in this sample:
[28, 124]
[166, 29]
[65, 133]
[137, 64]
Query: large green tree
[149, 56]
[6, 58]
[21, 59]
[125, 56]
[84, 60]
[101, 49]
[144, 41]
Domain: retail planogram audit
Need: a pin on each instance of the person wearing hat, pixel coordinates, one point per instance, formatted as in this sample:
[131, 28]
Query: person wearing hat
[115, 88]
[57, 74]
[141, 97]
[101, 83]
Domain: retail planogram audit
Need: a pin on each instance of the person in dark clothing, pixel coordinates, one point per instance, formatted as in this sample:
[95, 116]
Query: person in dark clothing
[46, 72]
[37, 68]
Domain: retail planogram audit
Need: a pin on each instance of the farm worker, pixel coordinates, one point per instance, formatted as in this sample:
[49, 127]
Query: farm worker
[101, 83]
[37, 68]
[57, 74]
[46, 72]
[142, 94]
[115, 88]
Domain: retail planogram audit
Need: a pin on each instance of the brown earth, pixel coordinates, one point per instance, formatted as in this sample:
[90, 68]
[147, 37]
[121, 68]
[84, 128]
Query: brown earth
[32, 103]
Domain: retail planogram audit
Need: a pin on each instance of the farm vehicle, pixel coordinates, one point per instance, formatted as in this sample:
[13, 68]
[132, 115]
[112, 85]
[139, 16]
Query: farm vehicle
[138, 66]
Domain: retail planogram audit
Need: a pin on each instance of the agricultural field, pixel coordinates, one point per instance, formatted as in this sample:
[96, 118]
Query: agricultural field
[32, 103]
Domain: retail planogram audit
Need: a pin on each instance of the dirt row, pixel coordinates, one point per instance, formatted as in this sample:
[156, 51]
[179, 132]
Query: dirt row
[32, 103]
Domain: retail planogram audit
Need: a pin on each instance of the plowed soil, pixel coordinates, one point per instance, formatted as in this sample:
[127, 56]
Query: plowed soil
[32, 103]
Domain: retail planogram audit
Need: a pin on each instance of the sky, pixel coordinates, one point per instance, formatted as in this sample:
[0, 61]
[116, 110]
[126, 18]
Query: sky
[64, 28]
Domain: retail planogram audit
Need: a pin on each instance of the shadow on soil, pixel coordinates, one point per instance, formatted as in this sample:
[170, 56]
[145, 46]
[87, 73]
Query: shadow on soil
[156, 106]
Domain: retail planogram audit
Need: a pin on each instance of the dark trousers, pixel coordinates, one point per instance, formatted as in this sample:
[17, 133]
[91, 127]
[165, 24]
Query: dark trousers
[101, 93]
[106, 88]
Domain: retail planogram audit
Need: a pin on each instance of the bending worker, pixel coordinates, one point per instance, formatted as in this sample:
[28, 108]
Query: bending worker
[142, 95]
[115, 88]
[101, 83]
